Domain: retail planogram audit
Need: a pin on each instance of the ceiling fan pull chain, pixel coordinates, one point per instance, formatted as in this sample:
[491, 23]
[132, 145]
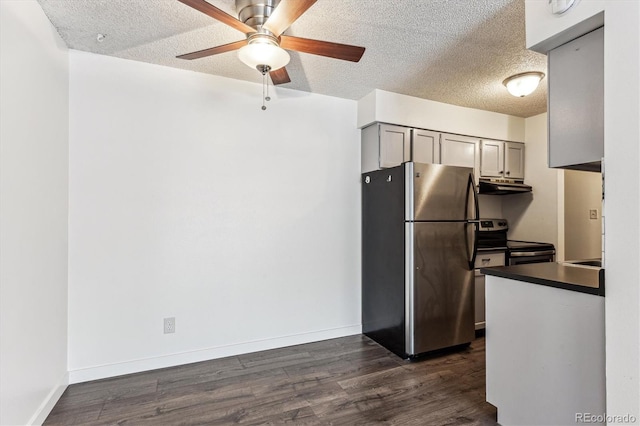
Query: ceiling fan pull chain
[268, 98]
[264, 76]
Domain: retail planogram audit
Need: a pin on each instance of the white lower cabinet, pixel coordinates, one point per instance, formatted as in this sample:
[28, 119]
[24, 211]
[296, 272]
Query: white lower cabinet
[480, 310]
[484, 259]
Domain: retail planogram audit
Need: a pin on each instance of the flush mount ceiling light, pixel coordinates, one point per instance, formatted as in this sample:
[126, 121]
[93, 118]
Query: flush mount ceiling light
[523, 84]
[263, 53]
[559, 7]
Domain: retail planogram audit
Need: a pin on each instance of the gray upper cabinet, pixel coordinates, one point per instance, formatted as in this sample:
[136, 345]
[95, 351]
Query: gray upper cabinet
[462, 151]
[500, 159]
[425, 146]
[492, 159]
[514, 160]
[395, 145]
[384, 145]
[576, 103]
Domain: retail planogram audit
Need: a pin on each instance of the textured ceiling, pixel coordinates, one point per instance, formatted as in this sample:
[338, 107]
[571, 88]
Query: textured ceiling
[453, 51]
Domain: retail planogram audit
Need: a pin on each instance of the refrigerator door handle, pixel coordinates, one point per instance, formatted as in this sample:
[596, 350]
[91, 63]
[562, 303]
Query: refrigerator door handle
[475, 221]
[476, 208]
[472, 261]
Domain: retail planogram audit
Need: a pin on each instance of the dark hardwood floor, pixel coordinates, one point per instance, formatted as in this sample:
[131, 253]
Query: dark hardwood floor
[345, 381]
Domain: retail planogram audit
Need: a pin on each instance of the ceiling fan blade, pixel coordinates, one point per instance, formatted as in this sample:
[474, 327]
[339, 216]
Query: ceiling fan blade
[323, 48]
[215, 13]
[280, 76]
[213, 50]
[285, 13]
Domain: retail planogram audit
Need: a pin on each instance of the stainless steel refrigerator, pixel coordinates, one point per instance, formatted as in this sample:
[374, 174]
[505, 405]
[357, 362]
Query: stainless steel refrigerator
[419, 237]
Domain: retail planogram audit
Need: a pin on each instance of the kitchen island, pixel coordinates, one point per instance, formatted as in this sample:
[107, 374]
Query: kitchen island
[545, 343]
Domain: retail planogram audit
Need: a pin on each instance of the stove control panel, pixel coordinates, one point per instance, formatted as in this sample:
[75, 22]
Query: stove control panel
[493, 225]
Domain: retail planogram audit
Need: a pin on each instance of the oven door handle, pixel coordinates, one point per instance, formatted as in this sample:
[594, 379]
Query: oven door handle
[532, 253]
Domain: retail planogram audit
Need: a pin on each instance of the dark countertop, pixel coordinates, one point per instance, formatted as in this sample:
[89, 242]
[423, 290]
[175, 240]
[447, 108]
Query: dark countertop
[574, 278]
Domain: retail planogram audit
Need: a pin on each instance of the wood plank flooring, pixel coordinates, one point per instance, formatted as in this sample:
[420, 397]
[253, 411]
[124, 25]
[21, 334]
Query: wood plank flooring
[345, 381]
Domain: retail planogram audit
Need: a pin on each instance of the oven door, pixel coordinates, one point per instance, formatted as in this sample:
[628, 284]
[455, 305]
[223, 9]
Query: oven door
[523, 257]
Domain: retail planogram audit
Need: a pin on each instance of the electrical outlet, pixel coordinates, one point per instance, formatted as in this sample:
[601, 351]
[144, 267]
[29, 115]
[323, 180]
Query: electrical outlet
[593, 214]
[169, 325]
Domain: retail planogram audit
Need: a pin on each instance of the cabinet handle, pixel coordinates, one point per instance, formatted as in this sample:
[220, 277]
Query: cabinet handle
[508, 173]
[501, 172]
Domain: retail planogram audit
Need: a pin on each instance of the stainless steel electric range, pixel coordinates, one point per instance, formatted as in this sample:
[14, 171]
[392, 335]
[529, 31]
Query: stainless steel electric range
[495, 249]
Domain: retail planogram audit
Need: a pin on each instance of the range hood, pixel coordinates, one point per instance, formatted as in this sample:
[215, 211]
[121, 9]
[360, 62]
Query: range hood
[502, 187]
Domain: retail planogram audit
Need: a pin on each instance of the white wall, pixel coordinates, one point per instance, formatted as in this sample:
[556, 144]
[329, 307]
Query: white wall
[622, 215]
[582, 235]
[189, 201]
[34, 79]
[534, 216]
[403, 110]
[490, 206]
[622, 185]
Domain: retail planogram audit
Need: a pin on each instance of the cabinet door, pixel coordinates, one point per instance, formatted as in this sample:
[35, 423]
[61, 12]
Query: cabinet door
[370, 148]
[395, 145]
[492, 158]
[425, 146]
[460, 151]
[514, 160]
[480, 310]
[576, 107]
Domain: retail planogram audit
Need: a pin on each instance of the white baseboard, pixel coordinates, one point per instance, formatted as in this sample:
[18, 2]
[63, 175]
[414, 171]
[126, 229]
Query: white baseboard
[50, 401]
[136, 366]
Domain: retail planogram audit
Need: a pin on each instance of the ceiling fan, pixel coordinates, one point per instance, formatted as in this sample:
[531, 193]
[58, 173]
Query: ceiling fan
[263, 22]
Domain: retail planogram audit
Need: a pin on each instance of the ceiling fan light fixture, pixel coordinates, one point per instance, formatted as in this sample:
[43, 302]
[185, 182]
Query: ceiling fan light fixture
[521, 85]
[263, 53]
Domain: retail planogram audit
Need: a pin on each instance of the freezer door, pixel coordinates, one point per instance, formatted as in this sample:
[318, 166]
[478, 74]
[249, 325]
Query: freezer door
[439, 286]
[436, 192]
